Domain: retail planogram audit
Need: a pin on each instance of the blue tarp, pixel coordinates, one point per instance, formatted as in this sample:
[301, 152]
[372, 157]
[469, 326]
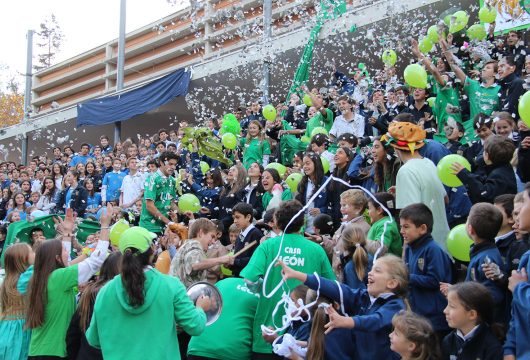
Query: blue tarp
[124, 106]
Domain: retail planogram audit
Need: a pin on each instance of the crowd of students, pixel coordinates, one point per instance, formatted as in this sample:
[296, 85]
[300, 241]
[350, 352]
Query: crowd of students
[349, 262]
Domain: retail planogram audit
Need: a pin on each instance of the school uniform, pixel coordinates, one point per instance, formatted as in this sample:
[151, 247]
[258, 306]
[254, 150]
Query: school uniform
[517, 343]
[497, 180]
[372, 316]
[350, 275]
[478, 344]
[73, 198]
[481, 254]
[428, 265]
[250, 234]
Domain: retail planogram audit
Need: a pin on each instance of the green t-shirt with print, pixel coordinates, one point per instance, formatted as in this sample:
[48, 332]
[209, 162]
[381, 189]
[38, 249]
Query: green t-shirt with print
[481, 99]
[392, 238]
[160, 189]
[298, 253]
[445, 95]
[238, 316]
[254, 151]
[49, 338]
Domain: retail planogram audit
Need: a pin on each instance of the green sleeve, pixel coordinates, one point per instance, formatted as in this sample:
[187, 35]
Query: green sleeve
[190, 318]
[286, 125]
[287, 195]
[329, 119]
[242, 142]
[256, 266]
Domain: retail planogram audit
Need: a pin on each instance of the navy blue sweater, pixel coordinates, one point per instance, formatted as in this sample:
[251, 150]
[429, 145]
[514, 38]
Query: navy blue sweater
[373, 322]
[484, 188]
[428, 265]
[519, 331]
[478, 255]
[482, 345]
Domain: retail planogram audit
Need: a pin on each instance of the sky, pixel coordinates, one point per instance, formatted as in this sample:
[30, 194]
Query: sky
[85, 24]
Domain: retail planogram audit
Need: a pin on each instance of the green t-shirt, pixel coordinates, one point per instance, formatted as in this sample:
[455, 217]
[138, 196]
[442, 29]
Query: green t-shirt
[445, 95]
[392, 238]
[49, 339]
[254, 151]
[160, 189]
[481, 99]
[267, 197]
[234, 323]
[297, 252]
[319, 121]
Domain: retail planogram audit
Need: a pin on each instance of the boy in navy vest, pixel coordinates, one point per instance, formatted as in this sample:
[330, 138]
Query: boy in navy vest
[428, 266]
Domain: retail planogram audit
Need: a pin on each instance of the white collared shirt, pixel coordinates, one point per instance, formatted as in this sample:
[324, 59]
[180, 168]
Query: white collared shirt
[469, 334]
[245, 232]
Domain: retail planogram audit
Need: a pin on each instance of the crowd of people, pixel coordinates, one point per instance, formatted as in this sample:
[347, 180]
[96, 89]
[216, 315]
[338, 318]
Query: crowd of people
[339, 253]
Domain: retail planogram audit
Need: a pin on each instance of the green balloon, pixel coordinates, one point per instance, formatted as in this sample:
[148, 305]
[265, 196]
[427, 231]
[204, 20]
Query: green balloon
[319, 130]
[524, 108]
[204, 167]
[458, 21]
[415, 76]
[389, 57]
[325, 164]
[432, 34]
[116, 230]
[189, 202]
[293, 180]
[425, 45]
[230, 126]
[269, 112]
[229, 141]
[444, 171]
[476, 32]
[487, 14]
[459, 243]
[431, 101]
[305, 139]
[278, 167]
[307, 100]
[229, 117]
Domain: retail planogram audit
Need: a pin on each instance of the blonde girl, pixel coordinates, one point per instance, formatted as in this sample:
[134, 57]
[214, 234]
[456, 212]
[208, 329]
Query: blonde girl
[369, 312]
[413, 337]
[355, 260]
[255, 147]
[14, 341]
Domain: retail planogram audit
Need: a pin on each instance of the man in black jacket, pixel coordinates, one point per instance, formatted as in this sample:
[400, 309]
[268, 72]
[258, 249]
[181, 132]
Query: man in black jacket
[511, 86]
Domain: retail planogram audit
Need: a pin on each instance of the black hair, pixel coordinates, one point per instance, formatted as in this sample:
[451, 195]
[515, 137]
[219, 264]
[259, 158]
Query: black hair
[350, 138]
[166, 156]
[161, 131]
[419, 214]
[319, 140]
[85, 144]
[318, 175]
[386, 199]
[510, 60]
[152, 162]
[244, 209]
[133, 276]
[275, 175]
[475, 296]
[324, 223]
[506, 201]
[405, 117]
[286, 212]
[481, 120]
[486, 221]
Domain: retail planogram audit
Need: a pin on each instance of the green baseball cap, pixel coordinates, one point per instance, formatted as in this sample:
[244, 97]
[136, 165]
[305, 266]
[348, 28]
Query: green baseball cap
[136, 237]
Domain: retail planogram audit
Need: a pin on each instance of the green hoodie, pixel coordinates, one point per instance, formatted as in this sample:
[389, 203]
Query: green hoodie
[148, 331]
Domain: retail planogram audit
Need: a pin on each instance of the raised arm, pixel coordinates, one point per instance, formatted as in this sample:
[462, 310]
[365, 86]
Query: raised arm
[460, 74]
[428, 64]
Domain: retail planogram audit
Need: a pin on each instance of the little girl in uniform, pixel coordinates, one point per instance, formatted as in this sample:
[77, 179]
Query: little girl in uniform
[372, 308]
[469, 312]
[413, 337]
[358, 262]
[255, 147]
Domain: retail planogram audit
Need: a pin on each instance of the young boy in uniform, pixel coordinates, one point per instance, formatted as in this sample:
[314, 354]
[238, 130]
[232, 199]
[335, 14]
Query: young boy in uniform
[242, 214]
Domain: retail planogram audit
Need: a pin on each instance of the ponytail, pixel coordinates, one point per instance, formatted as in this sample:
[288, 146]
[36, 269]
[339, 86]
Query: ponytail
[132, 274]
[354, 240]
[315, 348]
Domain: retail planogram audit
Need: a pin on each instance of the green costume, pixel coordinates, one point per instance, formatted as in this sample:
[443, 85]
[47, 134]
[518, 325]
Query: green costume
[297, 252]
[148, 331]
[482, 99]
[267, 197]
[160, 189]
